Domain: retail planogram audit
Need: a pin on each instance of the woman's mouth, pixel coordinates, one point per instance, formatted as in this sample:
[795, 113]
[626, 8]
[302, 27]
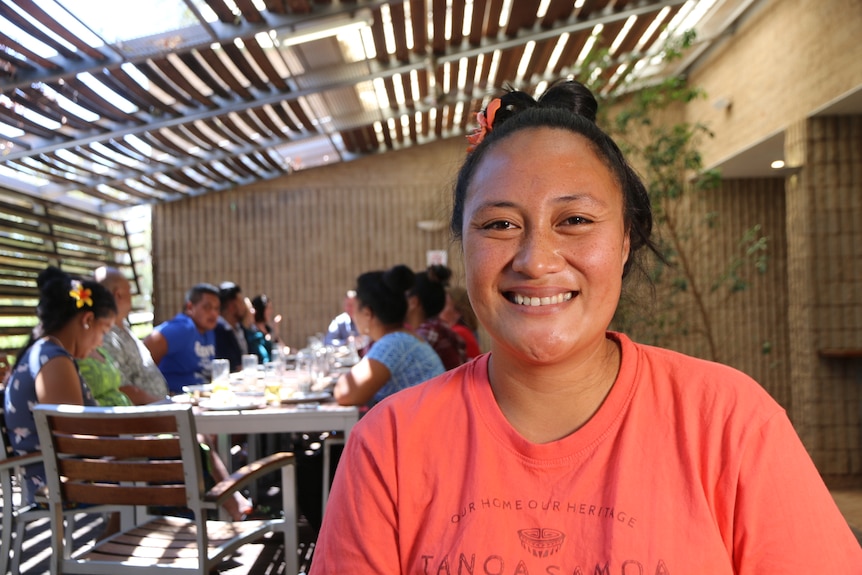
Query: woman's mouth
[519, 299]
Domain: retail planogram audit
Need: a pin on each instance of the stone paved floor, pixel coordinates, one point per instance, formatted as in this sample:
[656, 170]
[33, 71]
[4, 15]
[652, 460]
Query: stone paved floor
[251, 559]
[850, 504]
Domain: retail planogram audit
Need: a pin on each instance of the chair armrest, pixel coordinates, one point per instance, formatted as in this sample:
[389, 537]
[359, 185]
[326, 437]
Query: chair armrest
[17, 460]
[246, 474]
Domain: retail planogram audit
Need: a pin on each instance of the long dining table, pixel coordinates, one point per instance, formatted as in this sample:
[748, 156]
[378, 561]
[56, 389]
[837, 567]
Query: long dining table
[323, 417]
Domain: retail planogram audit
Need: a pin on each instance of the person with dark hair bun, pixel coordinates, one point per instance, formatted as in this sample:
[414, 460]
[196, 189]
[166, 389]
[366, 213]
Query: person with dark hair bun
[74, 315]
[569, 448]
[425, 300]
[398, 359]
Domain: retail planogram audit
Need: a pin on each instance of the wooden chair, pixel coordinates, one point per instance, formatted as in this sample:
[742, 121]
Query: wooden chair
[144, 456]
[16, 517]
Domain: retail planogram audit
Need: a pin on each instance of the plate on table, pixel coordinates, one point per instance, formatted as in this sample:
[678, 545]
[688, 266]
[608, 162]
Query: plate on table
[307, 397]
[202, 390]
[238, 405]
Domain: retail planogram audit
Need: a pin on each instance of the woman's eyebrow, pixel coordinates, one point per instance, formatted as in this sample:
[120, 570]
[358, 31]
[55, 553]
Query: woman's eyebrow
[572, 198]
[496, 204]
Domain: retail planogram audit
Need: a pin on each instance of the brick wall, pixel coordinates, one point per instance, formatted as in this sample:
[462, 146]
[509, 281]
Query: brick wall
[789, 59]
[824, 217]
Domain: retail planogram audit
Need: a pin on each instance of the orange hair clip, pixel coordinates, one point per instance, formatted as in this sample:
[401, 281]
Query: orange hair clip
[485, 118]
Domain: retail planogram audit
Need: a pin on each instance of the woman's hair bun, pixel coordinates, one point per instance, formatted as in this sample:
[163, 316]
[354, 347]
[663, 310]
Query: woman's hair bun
[50, 275]
[568, 95]
[399, 278]
[440, 274]
[573, 96]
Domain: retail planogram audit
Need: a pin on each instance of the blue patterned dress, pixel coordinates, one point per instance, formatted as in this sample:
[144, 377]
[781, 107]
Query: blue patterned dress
[409, 360]
[20, 397]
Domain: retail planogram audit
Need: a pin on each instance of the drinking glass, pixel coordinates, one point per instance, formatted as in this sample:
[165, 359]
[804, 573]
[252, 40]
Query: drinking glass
[249, 370]
[305, 368]
[220, 374]
[272, 379]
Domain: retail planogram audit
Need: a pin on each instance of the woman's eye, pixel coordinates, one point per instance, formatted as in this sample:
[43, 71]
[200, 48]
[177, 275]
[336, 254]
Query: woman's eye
[499, 225]
[576, 221]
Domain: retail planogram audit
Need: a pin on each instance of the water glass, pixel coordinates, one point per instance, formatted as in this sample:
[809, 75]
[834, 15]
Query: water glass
[305, 368]
[272, 379]
[220, 374]
[249, 370]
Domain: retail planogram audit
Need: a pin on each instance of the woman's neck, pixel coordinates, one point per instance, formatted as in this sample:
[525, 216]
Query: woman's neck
[576, 389]
[377, 330]
[62, 339]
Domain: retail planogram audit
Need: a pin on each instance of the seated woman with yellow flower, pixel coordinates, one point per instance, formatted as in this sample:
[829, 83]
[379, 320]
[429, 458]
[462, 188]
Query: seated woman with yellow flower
[74, 315]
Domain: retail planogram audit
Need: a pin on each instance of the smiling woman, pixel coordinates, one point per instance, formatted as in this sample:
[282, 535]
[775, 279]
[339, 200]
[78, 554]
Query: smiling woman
[603, 452]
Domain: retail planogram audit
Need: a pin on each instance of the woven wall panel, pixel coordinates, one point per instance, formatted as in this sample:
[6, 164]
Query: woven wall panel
[749, 326]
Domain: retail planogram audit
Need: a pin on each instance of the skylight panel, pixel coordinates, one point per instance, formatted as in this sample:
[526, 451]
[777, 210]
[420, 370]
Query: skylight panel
[108, 94]
[117, 22]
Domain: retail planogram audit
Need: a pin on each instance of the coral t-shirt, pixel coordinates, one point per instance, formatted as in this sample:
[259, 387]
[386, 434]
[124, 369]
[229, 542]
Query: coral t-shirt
[688, 467]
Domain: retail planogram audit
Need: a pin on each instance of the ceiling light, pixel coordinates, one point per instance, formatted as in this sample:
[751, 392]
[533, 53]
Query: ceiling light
[777, 164]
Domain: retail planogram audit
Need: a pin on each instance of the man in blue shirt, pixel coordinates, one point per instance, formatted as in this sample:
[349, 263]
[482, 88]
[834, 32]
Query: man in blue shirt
[183, 347]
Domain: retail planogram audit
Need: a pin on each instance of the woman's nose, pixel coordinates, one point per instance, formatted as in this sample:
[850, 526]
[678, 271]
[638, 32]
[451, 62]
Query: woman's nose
[538, 254]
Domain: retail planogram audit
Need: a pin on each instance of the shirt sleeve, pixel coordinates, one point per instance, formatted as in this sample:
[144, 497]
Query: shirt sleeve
[359, 534]
[786, 520]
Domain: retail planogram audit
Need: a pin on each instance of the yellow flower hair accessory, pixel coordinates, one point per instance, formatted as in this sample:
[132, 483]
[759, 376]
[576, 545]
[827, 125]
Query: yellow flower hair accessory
[81, 295]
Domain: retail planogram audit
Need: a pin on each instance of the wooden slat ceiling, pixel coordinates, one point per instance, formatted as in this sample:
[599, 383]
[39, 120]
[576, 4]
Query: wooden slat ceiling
[231, 100]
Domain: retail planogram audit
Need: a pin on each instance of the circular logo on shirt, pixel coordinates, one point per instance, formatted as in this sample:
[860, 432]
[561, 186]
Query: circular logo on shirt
[541, 541]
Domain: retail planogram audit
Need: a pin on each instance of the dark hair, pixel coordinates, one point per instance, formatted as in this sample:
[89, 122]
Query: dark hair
[259, 304]
[461, 301]
[62, 297]
[227, 292]
[430, 289]
[566, 105]
[197, 291]
[384, 293]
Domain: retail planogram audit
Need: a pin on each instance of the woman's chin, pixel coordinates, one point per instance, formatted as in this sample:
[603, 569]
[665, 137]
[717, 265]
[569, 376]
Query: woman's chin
[536, 351]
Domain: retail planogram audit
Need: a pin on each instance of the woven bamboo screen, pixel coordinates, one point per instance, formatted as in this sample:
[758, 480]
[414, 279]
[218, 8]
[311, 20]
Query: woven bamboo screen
[36, 233]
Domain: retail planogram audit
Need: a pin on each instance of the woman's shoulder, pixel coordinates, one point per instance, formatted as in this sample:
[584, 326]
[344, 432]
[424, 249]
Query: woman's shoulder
[692, 379]
[400, 341]
[179, 322]
[45, 349]
[35, 358]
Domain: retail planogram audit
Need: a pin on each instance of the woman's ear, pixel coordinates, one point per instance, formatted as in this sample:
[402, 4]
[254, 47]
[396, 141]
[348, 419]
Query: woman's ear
[87, 318]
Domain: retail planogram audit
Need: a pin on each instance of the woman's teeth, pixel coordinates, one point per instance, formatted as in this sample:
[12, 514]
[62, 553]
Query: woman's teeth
[538, 301]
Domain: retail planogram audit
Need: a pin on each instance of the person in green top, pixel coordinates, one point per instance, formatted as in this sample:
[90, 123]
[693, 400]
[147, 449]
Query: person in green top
[103, 378]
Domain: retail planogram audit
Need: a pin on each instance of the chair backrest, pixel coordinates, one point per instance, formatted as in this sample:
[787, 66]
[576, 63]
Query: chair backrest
[8, 459]
[145, 455]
